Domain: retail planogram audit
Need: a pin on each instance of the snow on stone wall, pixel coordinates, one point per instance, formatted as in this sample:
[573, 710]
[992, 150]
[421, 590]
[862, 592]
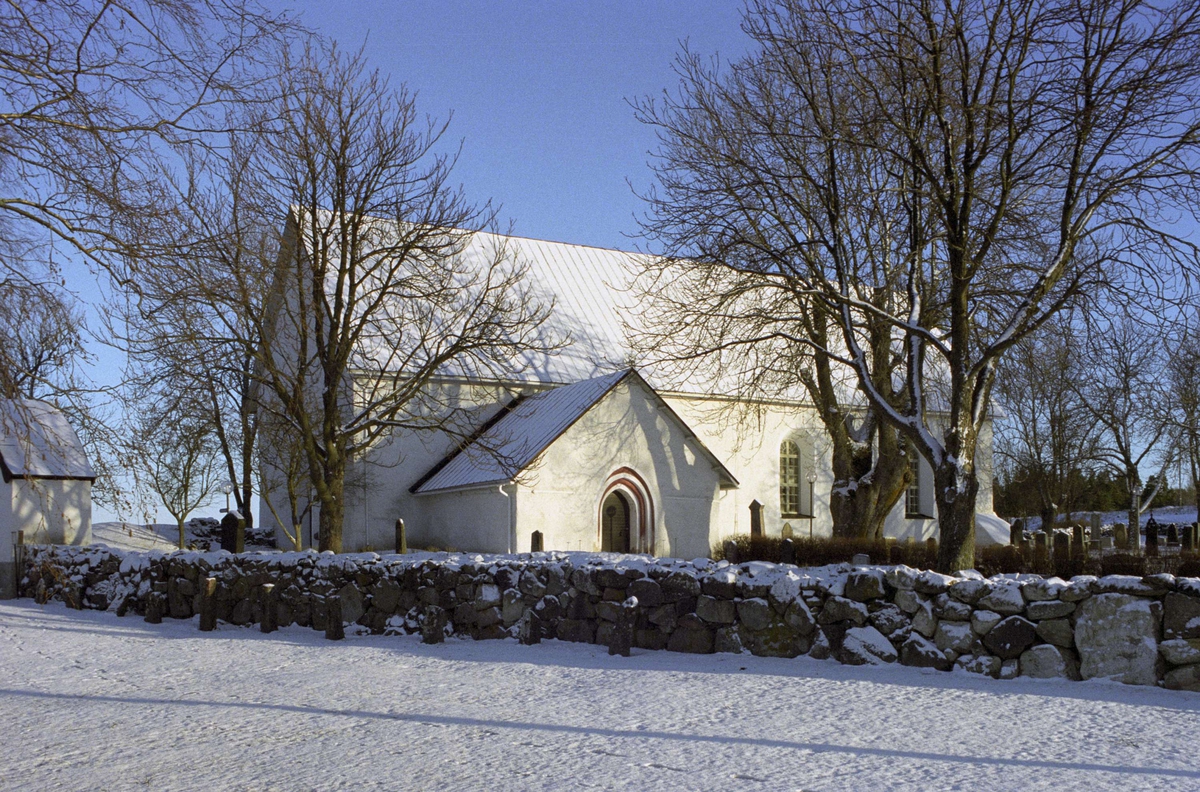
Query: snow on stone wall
[1136, 630]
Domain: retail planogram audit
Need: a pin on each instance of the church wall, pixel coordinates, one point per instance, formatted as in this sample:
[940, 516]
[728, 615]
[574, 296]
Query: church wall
[562, 495]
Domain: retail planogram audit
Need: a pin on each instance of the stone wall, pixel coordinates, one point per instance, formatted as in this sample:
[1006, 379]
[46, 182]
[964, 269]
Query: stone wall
[1137, 630]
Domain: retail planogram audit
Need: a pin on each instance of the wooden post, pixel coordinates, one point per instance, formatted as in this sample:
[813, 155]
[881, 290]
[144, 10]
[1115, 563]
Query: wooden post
[208, 605]
[335, 629]
[270, 612]
[401, 538]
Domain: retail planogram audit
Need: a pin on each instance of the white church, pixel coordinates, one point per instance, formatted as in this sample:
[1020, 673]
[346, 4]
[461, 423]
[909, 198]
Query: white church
[601, 457]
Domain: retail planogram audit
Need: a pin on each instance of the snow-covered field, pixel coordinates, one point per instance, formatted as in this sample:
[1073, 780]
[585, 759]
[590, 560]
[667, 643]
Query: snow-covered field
[91, 701]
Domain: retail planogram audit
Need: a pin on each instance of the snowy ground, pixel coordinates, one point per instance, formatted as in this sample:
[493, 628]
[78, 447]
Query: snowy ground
[90, 701]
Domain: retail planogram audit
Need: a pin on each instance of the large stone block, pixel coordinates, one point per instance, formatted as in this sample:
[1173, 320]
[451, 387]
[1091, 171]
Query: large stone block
[715, 611]
[1012, 636]
[1179, 651]
[1181, 616]
[1046, 661]
[956, 636]
[863, 585]
[1048, 609]
[838, 609]
[982, 621]
[576, 630]
[1005, 598]
[755, 614]
[866, 646]
[1057, 631]
[691, 641]
[970, 591]
[909, 601]
[920, 652]
[1183, 678]
[647, 591]
[1117, 637]
[888, 619]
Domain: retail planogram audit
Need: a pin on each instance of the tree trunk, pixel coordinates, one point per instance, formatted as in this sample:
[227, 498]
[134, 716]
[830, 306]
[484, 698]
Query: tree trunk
[864, 494]
[1049, 515]
[1134, 541]
[332, 509]
[297, 538]
[182, 536]
[956, 517]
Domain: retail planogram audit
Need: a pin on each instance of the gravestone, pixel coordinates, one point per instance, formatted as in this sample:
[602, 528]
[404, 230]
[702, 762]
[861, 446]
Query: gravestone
[208, 605]
[860, 559]
[1077, 539]
[787, 532]
[1120, 536]
[529, 629]
[787, 551]
[1062, 545]
[731, 551]
[335, 628]
[1189, 538]
[401, 538]
[1152, 536]
[622, 634]
[433, 625]
[233, 532]
[756, 521]
[156, 606]
[1016, 533]
[537, 543]
[1172, 534]
[270, 609]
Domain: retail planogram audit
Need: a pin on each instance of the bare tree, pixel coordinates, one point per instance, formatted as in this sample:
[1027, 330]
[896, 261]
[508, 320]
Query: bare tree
[960, 170]
[171, 451]
[1183, 372]
[99, 94]
[1046, 434]
[1127, 395]
[335, 254]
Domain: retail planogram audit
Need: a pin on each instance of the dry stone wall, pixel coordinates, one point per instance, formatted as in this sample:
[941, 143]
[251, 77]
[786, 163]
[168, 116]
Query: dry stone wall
[1139, 630]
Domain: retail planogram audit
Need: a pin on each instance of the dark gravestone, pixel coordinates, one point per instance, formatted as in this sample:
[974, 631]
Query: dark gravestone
[270, 608]
[156, 606]
[1152, 536]
[335, 628]
[756, 521]
[1172, 534]
[1016, 532]
[537, 543]
[1062, 545]
[1189, 538]
[1120, 536]
[731, 551]
[401, 538]
[529, 629]
[208, 605]
[433, 625]
[233, 532]
[787, 552]
[1077, 540]
[622, 634]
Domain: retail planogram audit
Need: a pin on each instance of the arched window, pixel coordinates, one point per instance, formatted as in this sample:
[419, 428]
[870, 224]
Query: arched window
[789, 479]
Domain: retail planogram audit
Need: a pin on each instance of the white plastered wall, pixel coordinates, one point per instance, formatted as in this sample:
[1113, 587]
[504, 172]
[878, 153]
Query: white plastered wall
[561, 496]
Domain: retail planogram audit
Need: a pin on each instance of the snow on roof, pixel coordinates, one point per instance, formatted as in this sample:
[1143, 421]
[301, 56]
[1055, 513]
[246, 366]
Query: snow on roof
[36, 441]
[515, 440]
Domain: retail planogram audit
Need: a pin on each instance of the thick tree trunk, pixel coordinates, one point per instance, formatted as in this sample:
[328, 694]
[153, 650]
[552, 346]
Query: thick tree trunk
[864, 494]
[182, 535]
[956, 517]
[332, 510]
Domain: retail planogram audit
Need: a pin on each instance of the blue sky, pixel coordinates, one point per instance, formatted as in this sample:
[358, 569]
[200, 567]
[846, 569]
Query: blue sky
[539, 93]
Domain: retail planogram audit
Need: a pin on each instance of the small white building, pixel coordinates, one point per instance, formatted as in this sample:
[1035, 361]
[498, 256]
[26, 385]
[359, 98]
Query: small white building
[597, 456]
[46, 492]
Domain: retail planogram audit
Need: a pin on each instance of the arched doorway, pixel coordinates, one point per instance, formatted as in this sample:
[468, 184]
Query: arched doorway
[614, 523]
[628, 495]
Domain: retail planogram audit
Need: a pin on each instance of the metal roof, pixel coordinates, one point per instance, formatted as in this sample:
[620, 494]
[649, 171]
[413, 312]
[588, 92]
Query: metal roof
[514, 441]
[36, 441]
